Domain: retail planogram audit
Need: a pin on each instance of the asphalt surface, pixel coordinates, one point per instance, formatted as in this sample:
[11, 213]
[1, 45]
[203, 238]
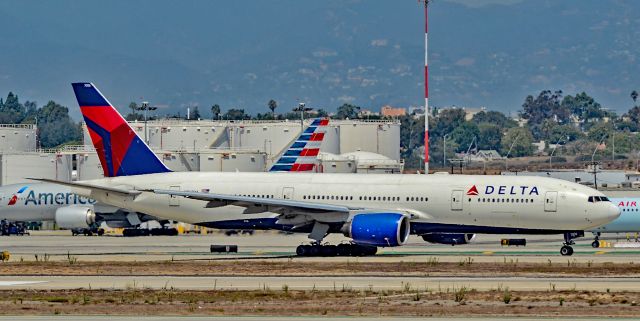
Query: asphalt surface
[320, 283]
[485, 248]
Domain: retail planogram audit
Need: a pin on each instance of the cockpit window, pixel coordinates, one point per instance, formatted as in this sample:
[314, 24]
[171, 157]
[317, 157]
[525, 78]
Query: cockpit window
[594, 199]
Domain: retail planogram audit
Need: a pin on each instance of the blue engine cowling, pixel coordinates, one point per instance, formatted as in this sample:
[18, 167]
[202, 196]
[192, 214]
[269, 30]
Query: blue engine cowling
[449, 238]
[379, 229]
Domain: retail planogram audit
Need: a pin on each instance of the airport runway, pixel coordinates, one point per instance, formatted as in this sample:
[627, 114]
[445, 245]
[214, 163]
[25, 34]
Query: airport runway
[434, 284]
[485, 248]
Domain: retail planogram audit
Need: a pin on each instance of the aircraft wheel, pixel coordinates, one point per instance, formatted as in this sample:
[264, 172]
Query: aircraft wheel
[301, 250]
[343, 250]
[595, 244]
[329, 250]
[566, 250]
[314, 250]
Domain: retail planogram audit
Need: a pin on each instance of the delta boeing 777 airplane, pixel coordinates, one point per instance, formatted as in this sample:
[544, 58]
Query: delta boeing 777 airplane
[379, 210]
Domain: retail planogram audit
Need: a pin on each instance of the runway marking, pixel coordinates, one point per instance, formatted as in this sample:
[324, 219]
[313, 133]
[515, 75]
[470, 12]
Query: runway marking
[600, 252]
[13, 283]
[488, 252]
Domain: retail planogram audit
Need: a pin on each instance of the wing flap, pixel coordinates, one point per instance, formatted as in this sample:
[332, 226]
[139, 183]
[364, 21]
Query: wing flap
[91, 187]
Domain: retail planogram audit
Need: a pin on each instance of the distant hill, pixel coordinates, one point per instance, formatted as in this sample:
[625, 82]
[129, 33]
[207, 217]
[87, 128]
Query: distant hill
[243, 53]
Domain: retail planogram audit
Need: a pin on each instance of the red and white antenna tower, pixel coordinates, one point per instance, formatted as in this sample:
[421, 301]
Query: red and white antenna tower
[426, 87]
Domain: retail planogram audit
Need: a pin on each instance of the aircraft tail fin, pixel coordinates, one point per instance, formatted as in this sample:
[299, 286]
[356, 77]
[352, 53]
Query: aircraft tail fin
[121, 151]
[302, 155]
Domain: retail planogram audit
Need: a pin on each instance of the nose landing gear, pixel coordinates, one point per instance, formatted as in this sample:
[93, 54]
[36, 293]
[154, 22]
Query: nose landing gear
[566, 249]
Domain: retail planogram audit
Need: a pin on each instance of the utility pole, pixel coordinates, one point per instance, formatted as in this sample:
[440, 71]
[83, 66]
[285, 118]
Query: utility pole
[426, 87]
[444, 152]
[506, 159]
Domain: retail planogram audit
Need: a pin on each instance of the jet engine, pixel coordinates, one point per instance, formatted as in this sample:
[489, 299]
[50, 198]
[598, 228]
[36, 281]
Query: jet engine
[75, 217]
[378, 229]
[449, 238]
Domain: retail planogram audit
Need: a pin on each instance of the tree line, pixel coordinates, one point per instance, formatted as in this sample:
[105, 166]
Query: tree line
[55, 127]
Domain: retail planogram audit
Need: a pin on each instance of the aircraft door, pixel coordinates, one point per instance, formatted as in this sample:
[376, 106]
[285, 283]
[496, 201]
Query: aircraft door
[287, 193]
[174, 200]
[456, 200]
[550, 201]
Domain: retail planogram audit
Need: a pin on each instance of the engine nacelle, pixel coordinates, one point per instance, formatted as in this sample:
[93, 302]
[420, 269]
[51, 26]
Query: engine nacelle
[75, 217]
[379, 229]
[449, 238]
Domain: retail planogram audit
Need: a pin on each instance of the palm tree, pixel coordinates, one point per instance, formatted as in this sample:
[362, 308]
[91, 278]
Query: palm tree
[634, 96]
[215, 111]
[272, 105]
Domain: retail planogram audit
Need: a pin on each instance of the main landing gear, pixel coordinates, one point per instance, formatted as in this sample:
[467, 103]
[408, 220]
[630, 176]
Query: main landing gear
[327, 250]
[566, 249]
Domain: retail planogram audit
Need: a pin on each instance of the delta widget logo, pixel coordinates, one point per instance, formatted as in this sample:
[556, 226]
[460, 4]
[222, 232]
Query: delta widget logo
[473, 191]
[14, 198]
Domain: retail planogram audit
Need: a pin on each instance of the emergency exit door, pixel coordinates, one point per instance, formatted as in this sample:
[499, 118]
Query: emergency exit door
[550, 201]
[287, 193]
[456, 200]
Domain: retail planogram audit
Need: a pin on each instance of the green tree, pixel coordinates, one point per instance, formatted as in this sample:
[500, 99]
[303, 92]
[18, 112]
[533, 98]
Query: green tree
[348, 111]
[215, 111]
[585, 109]
[56, 127]
[494, 117]
[489, 136]
[194, 113]
[272, 104]
[521, 138]
[134, 115]
[464, 136]
[600, 131]
[322, 113]
[11, 111]
[546, 106]
[235, 114]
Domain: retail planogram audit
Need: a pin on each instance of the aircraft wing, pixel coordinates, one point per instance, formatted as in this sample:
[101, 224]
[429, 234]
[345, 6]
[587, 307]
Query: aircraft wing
[216, 200]
[90, 187]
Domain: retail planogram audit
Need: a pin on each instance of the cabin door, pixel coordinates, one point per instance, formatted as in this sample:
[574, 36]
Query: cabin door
[456, 200]
[550, 201]
[287, 193]
[173, 199]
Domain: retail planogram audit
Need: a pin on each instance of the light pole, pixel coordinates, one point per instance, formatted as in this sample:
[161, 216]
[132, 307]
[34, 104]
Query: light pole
[144, 107]
[302, 108]
[554, 150]
[444, 150]
[506, 159]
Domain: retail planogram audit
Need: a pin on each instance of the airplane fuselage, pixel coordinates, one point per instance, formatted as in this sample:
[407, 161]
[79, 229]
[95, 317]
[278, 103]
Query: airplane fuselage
[498, 203]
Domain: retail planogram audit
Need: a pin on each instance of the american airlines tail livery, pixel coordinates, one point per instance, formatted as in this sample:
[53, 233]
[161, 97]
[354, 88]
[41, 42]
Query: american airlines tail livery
[379, 210]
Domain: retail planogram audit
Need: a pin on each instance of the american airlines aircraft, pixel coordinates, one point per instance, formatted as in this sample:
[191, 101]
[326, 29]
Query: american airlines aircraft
[53, 202]
[373, 210]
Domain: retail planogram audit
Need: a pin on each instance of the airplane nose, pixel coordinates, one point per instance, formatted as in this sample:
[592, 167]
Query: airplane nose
[614, 212]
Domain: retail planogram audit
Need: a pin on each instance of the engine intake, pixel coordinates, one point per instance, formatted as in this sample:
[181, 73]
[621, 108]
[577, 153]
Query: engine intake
[448, 238]
[379, 229]
[75, 217]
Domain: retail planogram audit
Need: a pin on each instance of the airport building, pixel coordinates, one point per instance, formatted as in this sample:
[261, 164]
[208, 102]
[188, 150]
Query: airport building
[349, 146]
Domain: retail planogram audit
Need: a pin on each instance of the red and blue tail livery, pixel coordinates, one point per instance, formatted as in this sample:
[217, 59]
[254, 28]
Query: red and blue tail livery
[302, 154]
[121, 151]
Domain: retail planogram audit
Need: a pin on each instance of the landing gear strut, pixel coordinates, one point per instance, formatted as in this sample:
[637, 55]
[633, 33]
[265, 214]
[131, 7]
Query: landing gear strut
[326, 250]
[566, 249]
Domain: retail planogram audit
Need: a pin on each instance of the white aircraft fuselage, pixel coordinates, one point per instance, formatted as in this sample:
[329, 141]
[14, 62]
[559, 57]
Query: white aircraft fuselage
[434, 202]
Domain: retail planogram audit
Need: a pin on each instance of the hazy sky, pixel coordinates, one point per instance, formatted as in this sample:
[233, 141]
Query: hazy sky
[242, 53]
